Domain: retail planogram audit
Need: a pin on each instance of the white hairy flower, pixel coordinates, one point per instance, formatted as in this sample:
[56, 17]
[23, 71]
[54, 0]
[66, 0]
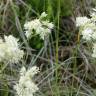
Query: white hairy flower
[26, 86]
[31, 26]
[87, 34]
[88, 29]
[38, 27]
[9, 50]
[81, 21]
[94, 50]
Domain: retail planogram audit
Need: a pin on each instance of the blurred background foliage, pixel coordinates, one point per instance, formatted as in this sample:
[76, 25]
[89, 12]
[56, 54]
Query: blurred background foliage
[52, 6]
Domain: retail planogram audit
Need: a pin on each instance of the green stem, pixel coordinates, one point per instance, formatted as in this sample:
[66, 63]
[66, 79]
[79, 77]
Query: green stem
[57, 47]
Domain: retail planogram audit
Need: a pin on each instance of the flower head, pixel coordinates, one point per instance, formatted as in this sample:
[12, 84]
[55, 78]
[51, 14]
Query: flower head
[81, 21]
[87, 34]
[38, 27]
[9, 50]
[26, 86]
[88, 29]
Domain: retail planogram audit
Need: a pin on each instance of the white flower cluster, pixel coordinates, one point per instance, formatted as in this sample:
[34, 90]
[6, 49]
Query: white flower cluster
[38, 27]
[81, 21]
[9, 50]
[26, 86]
[88, 29]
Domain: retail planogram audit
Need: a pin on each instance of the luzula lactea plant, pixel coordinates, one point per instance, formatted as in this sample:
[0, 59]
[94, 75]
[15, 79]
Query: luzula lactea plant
[87, 28]
[9, 50]
[26, 86]
[40, 26]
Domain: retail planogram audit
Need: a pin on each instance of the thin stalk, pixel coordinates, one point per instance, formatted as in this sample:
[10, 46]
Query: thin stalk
[57, 44]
